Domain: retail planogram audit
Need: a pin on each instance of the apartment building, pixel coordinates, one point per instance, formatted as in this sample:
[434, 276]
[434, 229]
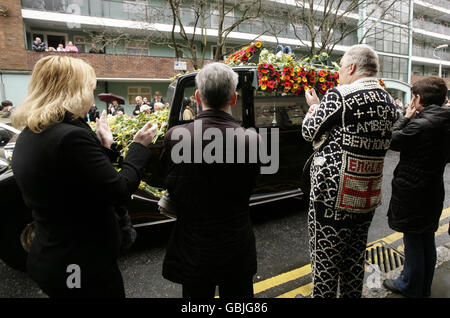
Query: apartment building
[132, 64]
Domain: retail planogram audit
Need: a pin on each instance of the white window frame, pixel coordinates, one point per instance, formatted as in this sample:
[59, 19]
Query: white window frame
[139, 93]
[76, 41]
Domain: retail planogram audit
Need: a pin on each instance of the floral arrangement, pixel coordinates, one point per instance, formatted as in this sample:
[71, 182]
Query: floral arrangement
[244, 55]
[125, 127]
[283, 73]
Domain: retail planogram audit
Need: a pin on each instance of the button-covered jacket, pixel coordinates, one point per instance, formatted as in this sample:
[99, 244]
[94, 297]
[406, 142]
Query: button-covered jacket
[358, 119]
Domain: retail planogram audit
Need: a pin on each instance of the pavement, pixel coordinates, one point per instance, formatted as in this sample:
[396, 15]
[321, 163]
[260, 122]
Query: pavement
[441, 281]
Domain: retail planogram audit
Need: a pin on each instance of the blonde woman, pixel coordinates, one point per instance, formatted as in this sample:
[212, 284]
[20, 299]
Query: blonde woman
[58, 163]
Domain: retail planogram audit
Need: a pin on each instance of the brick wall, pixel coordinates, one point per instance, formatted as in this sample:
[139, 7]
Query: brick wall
[127, 66]
[12, 38]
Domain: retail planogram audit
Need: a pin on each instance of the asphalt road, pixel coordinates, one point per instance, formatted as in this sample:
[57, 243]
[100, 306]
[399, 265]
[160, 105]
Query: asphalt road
[282, 245]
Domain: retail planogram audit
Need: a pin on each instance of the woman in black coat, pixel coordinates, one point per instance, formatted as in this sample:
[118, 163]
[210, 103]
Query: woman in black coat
[58, 163]
[423, 139]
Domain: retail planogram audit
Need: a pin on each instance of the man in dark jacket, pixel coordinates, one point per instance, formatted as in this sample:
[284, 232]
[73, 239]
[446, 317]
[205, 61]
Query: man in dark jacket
[423, 139]
[39, 46]
[212, 243]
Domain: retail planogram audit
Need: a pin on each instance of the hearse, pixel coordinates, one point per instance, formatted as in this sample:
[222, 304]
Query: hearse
[254, 108]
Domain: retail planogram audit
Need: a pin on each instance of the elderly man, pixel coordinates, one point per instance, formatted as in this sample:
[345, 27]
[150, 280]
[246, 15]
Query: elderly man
[38, 45]
[351, 129]
[139, 103]
[212, 243]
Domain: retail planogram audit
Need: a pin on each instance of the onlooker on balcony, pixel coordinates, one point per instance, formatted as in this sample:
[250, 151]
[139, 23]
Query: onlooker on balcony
[71, 48]
[60, 48]
[95, 50]
[38, 45]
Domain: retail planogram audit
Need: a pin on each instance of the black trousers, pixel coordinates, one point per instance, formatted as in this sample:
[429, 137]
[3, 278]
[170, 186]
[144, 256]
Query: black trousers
[107, 285]
[232, 288]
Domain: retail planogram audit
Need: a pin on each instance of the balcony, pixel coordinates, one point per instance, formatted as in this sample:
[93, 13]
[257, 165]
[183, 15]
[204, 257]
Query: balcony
[428, 52]
[439, 3]
[119, 66]
[432, 27]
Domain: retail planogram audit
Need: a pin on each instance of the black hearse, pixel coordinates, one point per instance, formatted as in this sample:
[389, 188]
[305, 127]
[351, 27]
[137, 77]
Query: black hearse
[254, 108]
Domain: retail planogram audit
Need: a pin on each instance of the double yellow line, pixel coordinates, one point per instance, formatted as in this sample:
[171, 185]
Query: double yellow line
[278, 280]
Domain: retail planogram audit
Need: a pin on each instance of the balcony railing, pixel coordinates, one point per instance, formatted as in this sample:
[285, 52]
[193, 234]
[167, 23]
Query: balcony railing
[428, 52]
[432, 27]
[439, 3]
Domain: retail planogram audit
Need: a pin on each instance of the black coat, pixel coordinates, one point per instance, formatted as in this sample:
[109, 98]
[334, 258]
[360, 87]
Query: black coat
[213, 238]
[67, 180]
[418, 186]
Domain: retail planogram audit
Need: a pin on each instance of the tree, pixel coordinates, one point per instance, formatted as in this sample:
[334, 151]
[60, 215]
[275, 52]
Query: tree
[322, 24]
[223, 16]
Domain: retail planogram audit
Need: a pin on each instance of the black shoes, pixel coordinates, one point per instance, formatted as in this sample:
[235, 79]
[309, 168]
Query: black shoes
[389, 284]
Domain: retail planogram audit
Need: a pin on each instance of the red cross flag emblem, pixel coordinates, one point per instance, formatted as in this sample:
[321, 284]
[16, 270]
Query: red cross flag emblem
[360, 186]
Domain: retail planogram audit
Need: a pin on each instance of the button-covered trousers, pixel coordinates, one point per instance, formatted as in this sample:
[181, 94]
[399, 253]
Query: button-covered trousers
[337, 243]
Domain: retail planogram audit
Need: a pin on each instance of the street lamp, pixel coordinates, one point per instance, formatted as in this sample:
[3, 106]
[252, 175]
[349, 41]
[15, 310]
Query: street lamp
[443, 46]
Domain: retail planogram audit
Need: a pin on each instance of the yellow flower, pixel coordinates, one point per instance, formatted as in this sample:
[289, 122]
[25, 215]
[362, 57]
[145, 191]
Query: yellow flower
[264, 78]
[263, 87]
[258, 44]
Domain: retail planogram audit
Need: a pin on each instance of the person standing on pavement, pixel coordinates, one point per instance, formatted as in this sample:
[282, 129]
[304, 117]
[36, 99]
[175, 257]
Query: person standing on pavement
[58, 162]
[5, 111]
[137, 109]
[423, 139]
[353, 122]
[212, 243]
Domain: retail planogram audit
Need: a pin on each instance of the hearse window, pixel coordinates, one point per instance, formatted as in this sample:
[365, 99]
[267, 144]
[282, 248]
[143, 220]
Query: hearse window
[187, 116]
[285, 112]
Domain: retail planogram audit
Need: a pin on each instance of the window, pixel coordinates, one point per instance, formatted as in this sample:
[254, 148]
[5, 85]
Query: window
[80, 43]
[52, 39]
[228, 18]
[135, 6]
[284, 112]
[134, 92]
[225, 50]
[136, 47]
[189, 92]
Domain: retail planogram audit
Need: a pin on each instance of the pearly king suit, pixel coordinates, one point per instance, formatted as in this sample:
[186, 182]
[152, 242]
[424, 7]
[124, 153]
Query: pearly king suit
[356, 121]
